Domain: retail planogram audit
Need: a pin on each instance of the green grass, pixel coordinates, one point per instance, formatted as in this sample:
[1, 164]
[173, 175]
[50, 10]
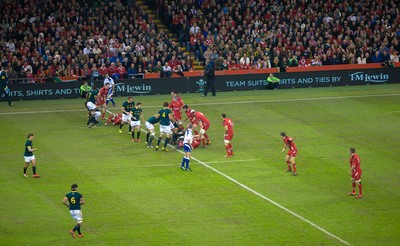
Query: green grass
[133, 197]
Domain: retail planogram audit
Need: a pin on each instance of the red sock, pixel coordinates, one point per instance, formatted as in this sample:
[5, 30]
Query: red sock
[203, 141]
[289, 166]
[230, 148]
[354, 187]
[227, 150]
[360, 189]
[294, 168]
[206, 135]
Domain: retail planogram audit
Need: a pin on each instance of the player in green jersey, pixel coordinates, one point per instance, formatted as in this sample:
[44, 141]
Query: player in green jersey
[73, 201]
[136, 114]
[150, 127]
[92, 95]
[30, 157]
[166, 124]
[126, 108]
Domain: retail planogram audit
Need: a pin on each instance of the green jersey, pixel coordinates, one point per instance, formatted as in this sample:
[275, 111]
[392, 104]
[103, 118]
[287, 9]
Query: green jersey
[92, 94]
[128, 106]
[153, 120]
[27, 144]
[136, 113]
[164, 116]
[74, 199]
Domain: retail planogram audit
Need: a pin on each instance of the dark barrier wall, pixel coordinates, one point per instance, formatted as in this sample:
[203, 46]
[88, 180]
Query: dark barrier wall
[223, 83]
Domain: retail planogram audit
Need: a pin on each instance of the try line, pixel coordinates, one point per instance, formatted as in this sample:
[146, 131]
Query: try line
[218, 103]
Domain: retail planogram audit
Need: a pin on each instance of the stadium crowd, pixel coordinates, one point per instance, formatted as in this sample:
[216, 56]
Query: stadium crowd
[45, 38]
[266, 33]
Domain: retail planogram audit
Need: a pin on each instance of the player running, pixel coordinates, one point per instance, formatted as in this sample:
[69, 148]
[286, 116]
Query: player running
[288, 142]
[228, 125]
[355, 172]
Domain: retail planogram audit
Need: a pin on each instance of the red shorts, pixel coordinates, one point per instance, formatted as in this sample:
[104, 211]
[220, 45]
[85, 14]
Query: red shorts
[228, 136]
[356, 175]
[177, 117]
[292, 153]
[205, 127]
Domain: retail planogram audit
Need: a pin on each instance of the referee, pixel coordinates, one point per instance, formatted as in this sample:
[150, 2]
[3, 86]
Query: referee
[4, 85]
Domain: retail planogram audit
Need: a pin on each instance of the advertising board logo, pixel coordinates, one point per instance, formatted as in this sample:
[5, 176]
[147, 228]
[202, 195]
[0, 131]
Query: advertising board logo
[374, 78]
[137, 89]
[201, 83]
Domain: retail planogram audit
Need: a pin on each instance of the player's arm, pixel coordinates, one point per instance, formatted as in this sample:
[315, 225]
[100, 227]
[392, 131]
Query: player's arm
[292, 139]
[142, 117]
[226, 129]
[171, 118]
[65, 199]
[30, 149]
[284, 147]
[123, 110]
[82, 201]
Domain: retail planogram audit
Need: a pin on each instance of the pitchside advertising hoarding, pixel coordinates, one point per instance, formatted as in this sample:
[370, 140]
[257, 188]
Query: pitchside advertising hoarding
[223, 83]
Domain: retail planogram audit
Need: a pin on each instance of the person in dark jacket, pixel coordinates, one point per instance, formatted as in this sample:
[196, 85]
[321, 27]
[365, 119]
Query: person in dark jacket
[209, 72]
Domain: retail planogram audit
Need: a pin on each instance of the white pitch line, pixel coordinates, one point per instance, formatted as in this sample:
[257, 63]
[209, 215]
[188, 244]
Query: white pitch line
[220, 103]
[393, 112]
[211, 162]
[271, 201]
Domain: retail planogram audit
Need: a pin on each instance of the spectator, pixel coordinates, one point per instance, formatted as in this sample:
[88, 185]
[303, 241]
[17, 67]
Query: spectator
[132, 70]
[167, 71]
[178, 70]
[376, 58]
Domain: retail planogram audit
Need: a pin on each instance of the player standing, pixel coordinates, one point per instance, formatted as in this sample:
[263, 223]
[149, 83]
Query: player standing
[187, 147]
[101, 99]
[355, 172]
[30, 157]
[126, 108]
[176, 107]
[4, 85]
[75, 200]
[92, 95]
[166, 118]
[288, 142]
[136, 114]
[150, 127]
[228, 125]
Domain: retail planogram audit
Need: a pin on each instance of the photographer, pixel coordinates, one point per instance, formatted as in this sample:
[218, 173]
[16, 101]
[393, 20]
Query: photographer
[209, 72]
[388, 63]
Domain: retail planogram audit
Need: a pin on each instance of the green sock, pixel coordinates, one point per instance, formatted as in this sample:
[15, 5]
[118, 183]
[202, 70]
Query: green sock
[166, 142]
[159, 140]
[34, 170]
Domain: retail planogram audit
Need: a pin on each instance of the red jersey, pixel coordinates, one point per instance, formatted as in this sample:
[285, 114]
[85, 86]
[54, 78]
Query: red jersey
[229, 124]
[355, 161]
[176, 106]
[201, 117]
[290, 144]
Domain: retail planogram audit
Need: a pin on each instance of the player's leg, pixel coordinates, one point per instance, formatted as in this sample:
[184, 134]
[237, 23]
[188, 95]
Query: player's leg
[138, 134]
[26, 165]
[228, 152]
[360, 194]
[121, 125]
[167, 139]
[132, 130]
[160, 137]
[353, 187]
[35, 175]
[288, 163]
[187, 155]
[6, 93]
[293, 163]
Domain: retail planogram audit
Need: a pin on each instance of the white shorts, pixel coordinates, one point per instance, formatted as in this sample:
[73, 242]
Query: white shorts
[90, 106]
[29, 158]
[97, 115]
[165, 129]
[149, 125]
[171, 125]
[76, 215]
[135, 123]
[125, 117]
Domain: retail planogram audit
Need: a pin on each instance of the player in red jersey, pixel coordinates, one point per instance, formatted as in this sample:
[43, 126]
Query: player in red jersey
[355, 172]
[114, 119]
[204, 124]
[228, 125]
[176, 106]
[189, 116]
[175, 94]
[288, 142]
[102, 98]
